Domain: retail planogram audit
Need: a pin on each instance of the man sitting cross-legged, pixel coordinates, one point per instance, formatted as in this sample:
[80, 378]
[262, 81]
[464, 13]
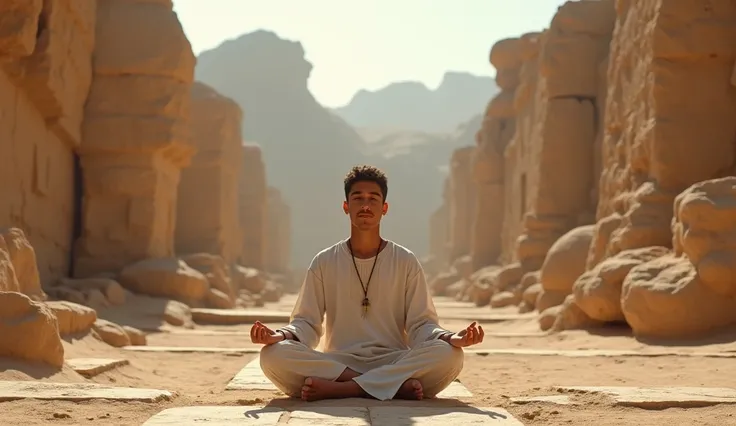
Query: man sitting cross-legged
[382, 337]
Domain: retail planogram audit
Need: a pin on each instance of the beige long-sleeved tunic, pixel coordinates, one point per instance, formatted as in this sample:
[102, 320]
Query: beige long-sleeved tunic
[401, 314]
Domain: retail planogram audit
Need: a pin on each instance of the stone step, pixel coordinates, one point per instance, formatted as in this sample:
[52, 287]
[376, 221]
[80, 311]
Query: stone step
[237, 316]
[251, 377]
[310, 414]
[193, 349]
[585, 353]
[485, 317]
[658, 398]
[14, 390]
[90, 367]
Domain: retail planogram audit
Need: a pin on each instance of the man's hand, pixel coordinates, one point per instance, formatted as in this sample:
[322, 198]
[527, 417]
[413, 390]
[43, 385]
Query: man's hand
[263, 335]
[472, 335]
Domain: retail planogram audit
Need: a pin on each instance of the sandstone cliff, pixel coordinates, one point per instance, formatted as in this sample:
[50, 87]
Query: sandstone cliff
[612, 212]
[96, 125]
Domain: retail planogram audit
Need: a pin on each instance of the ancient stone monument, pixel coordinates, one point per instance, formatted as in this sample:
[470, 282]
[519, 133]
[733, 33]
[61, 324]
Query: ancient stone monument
[207, 207]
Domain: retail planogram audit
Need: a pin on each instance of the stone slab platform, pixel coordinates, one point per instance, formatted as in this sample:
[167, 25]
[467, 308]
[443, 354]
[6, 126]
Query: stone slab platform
[585, 353]
[659, 397]
[251, 377]
[237, 316]
[90, 367]
[311, 415]
[485, 318]
[192, 349]
[14, 390]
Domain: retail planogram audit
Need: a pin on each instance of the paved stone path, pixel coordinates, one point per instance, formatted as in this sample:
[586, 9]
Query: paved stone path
[13, 390]
[383, 416]
[251, 377]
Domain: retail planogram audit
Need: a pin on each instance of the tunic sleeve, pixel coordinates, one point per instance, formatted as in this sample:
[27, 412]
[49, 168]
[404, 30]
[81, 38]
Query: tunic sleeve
[422, 323]
[309, 311]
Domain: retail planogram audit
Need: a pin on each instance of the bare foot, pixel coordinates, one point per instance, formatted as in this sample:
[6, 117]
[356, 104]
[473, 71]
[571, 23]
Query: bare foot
[410, 389]
[315, 389]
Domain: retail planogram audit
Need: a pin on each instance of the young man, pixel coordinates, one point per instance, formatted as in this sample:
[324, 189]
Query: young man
[382, 337]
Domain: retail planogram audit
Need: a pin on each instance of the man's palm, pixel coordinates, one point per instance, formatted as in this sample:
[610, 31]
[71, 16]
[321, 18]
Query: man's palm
[471, 335]
[261, 334]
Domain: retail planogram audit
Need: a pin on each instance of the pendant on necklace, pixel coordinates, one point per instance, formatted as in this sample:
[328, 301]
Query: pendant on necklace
[366, 303]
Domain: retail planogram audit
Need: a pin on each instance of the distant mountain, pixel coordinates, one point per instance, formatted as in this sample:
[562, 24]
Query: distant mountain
[307, 149]
[412, 106]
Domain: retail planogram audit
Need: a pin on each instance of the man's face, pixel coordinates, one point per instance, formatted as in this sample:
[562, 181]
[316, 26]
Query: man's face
[365, 205]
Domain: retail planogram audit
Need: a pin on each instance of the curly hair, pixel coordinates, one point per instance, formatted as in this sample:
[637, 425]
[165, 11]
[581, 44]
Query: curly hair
[366, 173]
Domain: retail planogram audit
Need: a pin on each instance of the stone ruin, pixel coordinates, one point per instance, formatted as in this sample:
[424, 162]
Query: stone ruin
[125, 181]
[610, 157]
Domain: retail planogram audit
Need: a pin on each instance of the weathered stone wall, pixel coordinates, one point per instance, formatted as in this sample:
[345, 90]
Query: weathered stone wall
[45, 73]
[439, 231]
[253, 204]
[669, 116]
[488, 157]
[278, 233]
[207, 205]
[462, 202]
[135, 135]
[516, 170]
[559, 161]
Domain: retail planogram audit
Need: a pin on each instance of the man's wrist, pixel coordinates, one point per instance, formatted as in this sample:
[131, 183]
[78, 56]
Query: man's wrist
[283, 335]
[446, 337]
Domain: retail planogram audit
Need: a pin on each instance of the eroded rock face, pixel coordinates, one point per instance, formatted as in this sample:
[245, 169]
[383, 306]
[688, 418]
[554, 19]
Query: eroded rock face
[439, 233]
[656, 143]
[207, 203]
[693, 290]
[462, 202]
[277, 242]
[556, 167]
[598, 290]
[253, 207]
[45, 73]
[29, 330]
[488, 157]
[136, 136]
[525, 114]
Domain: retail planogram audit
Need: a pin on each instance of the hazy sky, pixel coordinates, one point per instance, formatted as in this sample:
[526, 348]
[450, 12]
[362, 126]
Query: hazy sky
[357, 45]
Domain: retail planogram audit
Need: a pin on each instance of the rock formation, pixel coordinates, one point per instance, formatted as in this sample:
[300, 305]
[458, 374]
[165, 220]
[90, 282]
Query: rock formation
[488, 169]
[253, 202]
[557, 166]
[136, 135]
[462, 203]
[207, 205]
[278, 231]
[609, 101]
[439, 232]
[44, 80]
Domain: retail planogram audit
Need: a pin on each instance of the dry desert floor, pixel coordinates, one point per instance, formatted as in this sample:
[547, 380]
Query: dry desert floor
[517, 376]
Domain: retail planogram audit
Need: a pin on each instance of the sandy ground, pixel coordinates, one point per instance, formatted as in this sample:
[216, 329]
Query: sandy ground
[200, 379]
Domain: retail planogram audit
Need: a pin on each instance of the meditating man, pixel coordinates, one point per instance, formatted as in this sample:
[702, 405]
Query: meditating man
[381, 332]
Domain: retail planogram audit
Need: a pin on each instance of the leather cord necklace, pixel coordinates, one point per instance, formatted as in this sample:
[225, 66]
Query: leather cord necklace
[366, 303]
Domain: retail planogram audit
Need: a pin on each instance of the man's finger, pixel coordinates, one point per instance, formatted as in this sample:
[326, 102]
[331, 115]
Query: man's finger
[481, 332]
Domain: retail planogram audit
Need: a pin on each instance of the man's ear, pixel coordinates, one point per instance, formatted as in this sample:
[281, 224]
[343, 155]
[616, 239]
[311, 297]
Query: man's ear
[345, 207]
[385, 208]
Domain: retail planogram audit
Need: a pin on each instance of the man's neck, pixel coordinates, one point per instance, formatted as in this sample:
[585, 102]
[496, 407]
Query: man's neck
[364, 244]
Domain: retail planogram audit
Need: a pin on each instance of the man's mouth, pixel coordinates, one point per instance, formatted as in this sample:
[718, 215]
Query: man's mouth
[365, 215]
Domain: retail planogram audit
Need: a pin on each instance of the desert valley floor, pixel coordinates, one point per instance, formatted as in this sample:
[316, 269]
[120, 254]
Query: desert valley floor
[517, 376]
